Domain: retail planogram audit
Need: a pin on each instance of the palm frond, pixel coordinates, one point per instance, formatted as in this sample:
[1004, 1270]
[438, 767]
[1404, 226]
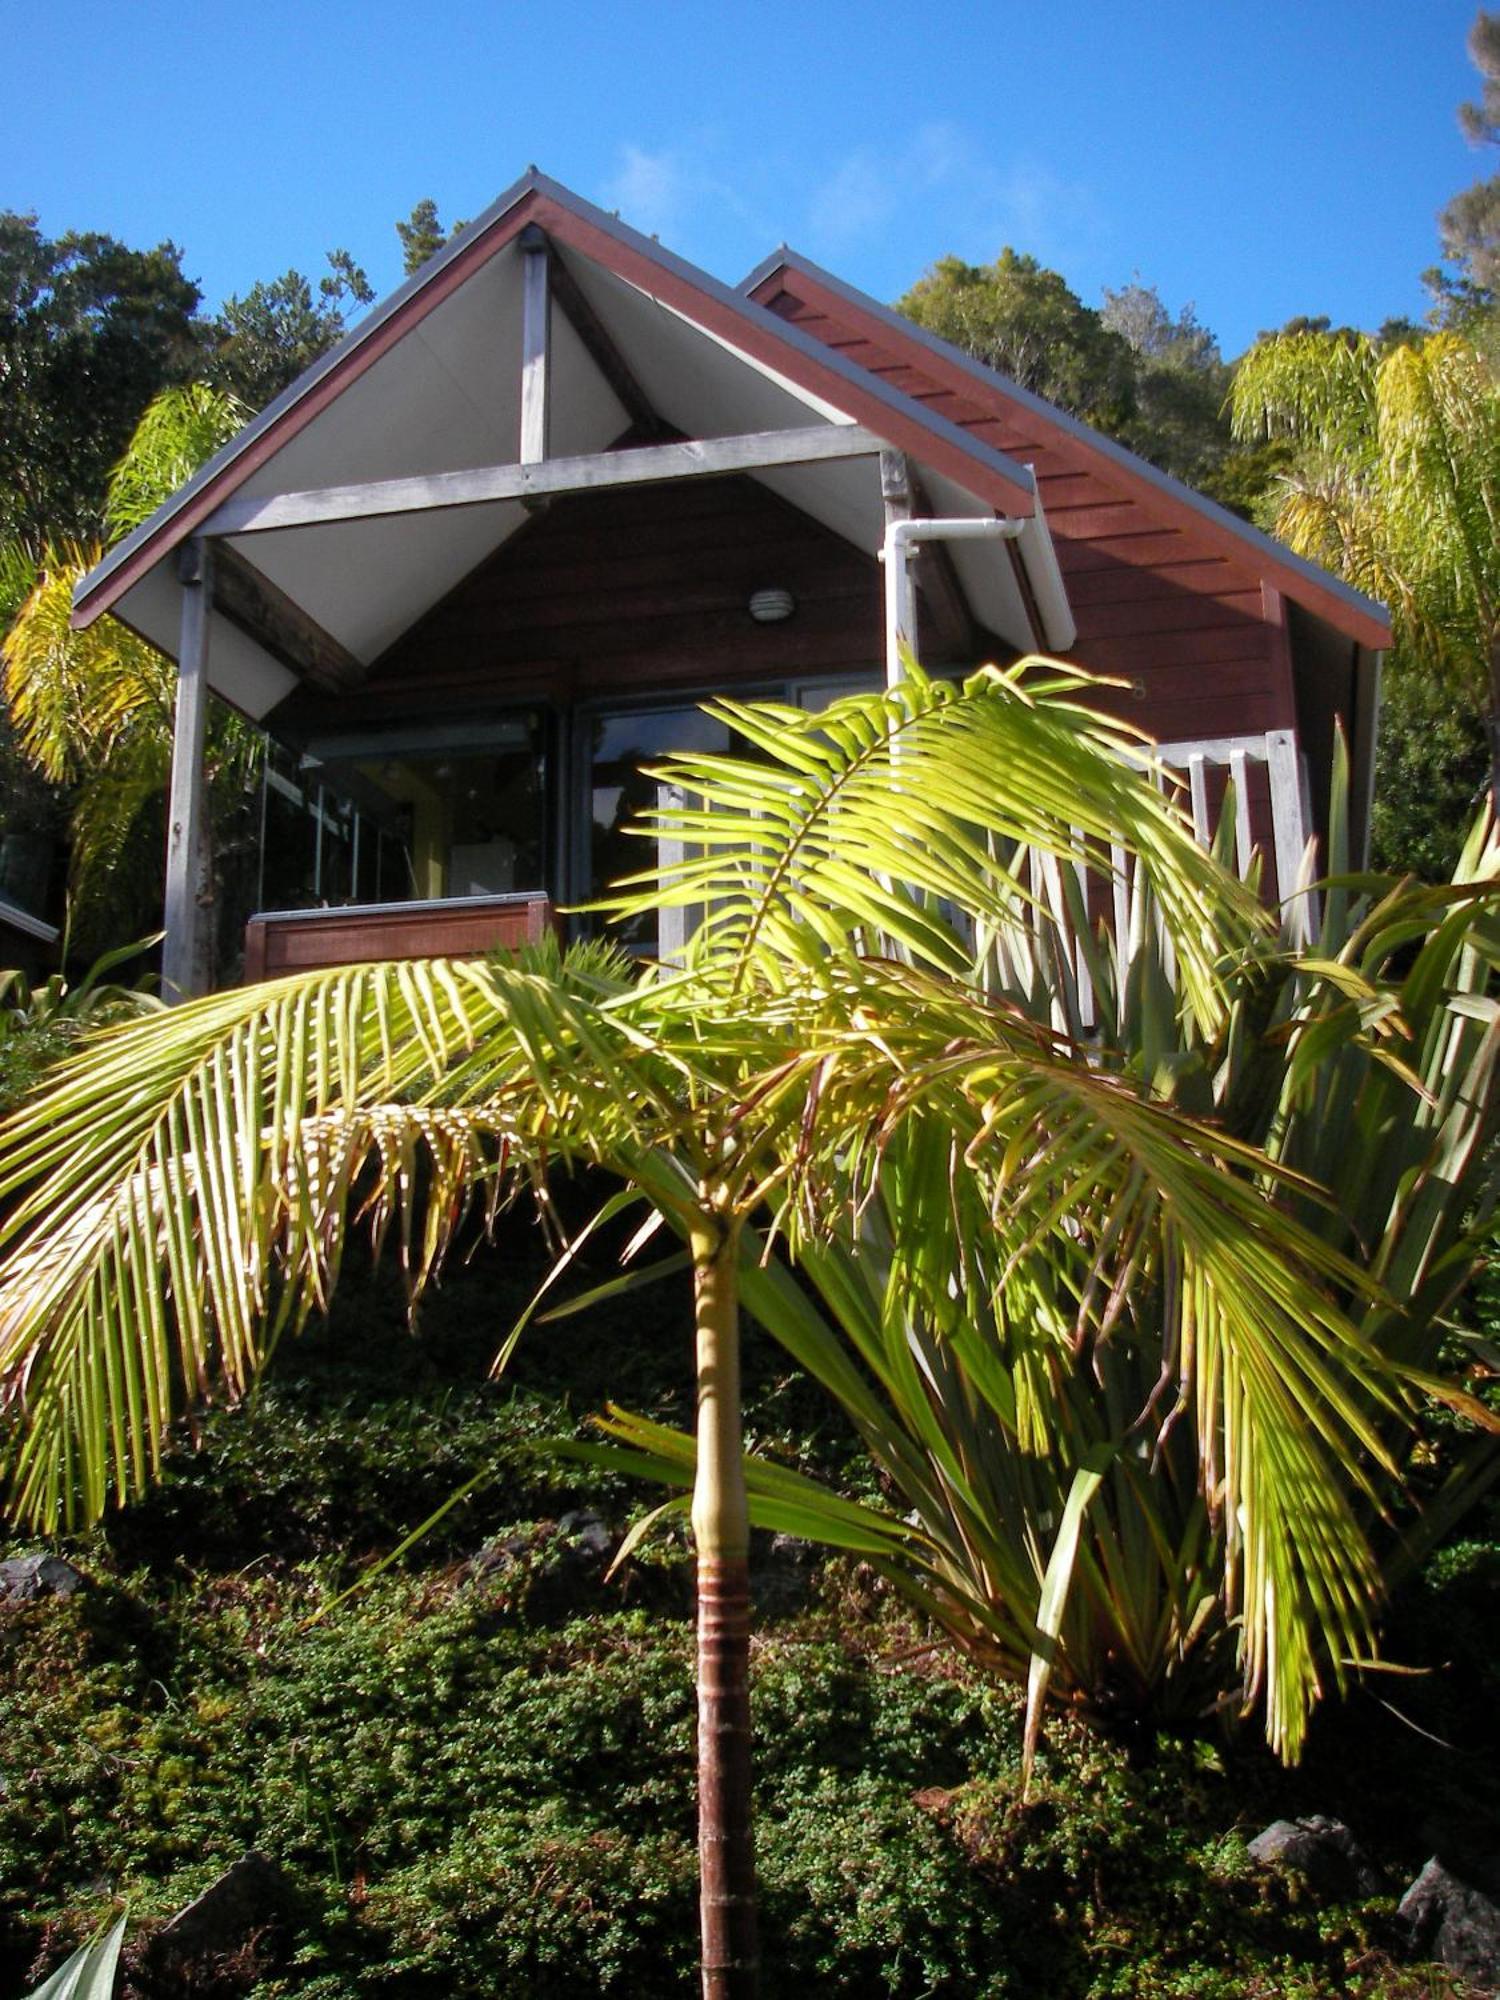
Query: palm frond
[873, 823]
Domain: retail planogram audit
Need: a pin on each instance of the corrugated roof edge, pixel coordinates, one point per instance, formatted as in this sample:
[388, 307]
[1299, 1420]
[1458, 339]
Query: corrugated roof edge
[1266, 545]
[92, 588]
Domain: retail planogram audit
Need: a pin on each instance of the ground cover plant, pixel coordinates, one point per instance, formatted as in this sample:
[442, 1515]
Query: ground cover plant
[474, 1786]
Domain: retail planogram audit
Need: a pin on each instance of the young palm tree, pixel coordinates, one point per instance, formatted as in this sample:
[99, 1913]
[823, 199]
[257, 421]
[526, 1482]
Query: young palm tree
[94, 709]
[184, 1191]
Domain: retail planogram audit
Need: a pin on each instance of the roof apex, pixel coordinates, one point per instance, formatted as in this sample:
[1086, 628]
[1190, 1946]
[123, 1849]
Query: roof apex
[473, 246]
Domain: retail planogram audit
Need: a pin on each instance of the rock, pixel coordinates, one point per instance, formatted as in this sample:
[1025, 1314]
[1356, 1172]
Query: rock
[1455, 1922]
[781, 1578]
[1324, 1850]
[250, 1894]
[564, 1562]
[25, 1577]
[587, 1535]
[501, 1555]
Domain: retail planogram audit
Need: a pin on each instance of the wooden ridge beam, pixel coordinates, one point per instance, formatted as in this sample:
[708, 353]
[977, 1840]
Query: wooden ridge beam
[475, 486]
[536, 344]
[263, 611]
[598, 343]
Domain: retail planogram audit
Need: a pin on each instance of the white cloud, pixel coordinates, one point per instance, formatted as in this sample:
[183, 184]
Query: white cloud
[651, 190]
[970, 203]
[856, 200]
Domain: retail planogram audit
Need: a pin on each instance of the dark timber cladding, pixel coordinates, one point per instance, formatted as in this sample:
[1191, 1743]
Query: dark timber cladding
[625, 593]
[1163, 607]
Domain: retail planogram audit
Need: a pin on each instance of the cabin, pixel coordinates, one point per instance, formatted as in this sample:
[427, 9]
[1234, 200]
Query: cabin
[489, 555]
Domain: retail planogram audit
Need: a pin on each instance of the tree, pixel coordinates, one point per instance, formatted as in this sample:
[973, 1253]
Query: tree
[1395, 486]
[261, 343]
[1181, 382]
[1026, 321]
[183, 1192]
[89, 332]
[1134, 370]
[1469, 226]
[1364, 1065]
[93, 710]
[422, 235]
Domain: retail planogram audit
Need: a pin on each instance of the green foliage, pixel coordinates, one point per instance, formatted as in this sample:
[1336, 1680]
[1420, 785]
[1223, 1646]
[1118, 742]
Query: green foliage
[470, 1797]
[40, 1024]
[1025, 321]
[260, 343]
[1361, 1068]
[92, 710]
[1394, 484]
[1141, 374]
[422, 235]
[90, 331]
[90, 1973]
[1432, 765]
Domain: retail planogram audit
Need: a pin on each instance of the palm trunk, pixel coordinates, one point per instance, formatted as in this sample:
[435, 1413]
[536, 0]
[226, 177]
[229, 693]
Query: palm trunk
[1492, 721]
[721, 1533]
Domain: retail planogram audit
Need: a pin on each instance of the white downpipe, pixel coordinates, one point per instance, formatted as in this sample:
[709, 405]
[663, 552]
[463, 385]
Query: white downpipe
[900, 597]
[1037, 553]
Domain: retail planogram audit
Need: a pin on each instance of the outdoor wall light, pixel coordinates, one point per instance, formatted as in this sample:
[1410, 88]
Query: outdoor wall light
[769, 607]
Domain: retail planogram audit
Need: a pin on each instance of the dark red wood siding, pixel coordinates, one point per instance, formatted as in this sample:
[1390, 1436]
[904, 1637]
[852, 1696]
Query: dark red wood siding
[303, 940]
[628, 593]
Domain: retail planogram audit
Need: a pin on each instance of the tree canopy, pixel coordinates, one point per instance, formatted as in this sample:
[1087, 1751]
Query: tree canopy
[1150, 377]
[1395, 485]
[90, 330]
[1469, 225]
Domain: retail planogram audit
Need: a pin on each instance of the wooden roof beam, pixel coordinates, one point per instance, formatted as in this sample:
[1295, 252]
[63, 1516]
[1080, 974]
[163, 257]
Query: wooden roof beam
[536, 344]
[593, 335]
[476, 486]
[265, 613]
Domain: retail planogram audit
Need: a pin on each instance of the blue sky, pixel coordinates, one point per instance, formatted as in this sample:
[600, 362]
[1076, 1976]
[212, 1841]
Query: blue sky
[1255, 157]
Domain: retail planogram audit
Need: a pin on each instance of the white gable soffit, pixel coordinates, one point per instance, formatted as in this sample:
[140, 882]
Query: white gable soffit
[93, 593]
[442, 393]
[1260, 545]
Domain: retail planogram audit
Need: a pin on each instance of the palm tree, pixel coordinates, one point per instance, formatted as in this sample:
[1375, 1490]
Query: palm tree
[1395, 487]
[94, 709]
[183, 1192]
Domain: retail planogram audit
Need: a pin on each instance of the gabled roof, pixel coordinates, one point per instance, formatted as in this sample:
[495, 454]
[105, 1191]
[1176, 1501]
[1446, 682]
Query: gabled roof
[429, 383]
[1346, 609]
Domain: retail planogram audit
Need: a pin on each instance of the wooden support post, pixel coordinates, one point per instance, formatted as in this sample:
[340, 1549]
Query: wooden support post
[536, 329]
[601, 349]
[900, 598]
[185, 949]
[1289, 831]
